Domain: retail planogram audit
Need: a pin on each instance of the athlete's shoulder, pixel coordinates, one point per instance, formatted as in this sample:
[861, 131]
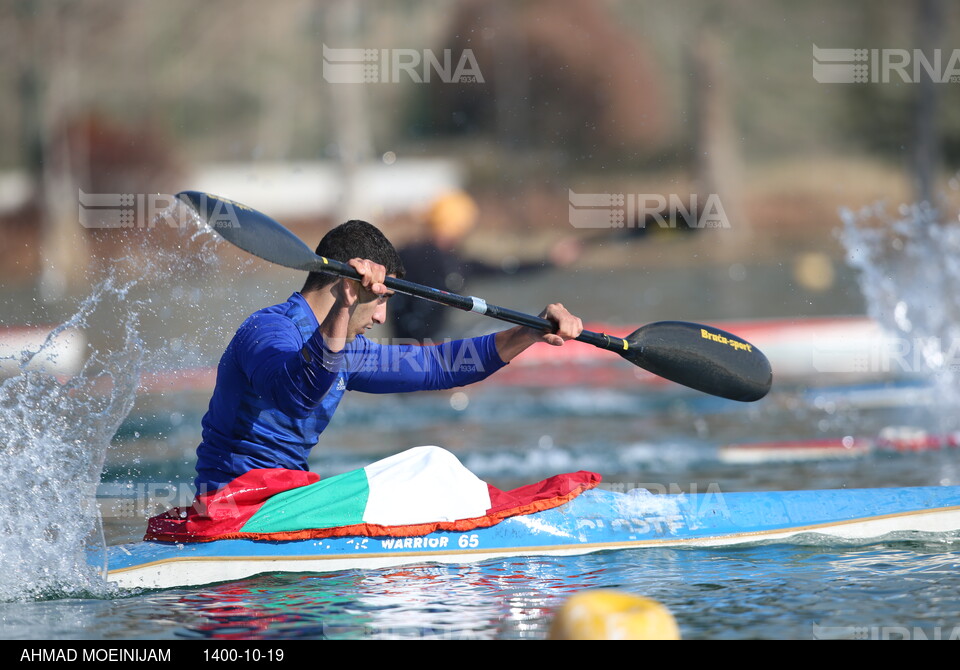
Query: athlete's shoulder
[285, 318]
[290, 308]
[275, 314]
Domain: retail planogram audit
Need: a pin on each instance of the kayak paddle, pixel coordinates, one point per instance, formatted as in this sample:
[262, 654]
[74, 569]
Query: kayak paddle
[700, 357]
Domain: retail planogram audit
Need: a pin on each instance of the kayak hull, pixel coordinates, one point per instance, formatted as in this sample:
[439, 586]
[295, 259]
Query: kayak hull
[597, 520]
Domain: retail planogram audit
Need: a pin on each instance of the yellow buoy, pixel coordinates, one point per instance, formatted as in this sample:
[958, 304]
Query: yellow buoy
[608, 614]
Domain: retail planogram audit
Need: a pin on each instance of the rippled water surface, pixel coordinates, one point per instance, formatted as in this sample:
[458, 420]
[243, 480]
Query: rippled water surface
[769, 592]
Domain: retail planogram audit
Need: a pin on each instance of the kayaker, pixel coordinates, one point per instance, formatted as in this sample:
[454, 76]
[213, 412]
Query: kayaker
[283, 375]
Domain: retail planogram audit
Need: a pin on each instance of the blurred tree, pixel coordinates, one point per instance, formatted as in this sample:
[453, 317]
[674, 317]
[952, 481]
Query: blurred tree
[107, 156]
[915, 123]
[717, 162]
[350, 123]
[559, 74]
[926, 156]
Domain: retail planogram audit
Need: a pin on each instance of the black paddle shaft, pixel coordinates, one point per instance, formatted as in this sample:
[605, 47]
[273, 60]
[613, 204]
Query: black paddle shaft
[701, 357]
[263, 237]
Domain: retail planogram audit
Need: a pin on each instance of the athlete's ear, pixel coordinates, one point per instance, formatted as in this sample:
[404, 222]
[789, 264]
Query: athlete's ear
[346, 289]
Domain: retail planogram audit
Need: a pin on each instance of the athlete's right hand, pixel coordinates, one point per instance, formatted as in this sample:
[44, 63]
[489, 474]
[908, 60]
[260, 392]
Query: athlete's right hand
[372, 275]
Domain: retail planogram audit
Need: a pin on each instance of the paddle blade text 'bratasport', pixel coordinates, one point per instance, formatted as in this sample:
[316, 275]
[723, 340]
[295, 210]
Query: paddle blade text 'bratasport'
[703, 358]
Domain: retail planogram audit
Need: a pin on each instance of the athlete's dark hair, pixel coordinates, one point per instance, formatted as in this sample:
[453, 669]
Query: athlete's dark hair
[354, 239]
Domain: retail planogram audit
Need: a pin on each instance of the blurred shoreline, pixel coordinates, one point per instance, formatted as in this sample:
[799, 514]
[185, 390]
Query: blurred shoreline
[789, 209]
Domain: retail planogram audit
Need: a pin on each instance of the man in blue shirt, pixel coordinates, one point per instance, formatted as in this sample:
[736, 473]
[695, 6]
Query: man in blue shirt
[285, 371]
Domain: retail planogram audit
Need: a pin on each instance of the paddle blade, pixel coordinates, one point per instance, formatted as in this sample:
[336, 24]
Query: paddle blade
[701, 357]
[250, 230]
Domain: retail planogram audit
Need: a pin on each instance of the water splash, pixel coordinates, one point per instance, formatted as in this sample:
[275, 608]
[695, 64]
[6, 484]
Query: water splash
[55, 432]
[54, 437]
[909, 275]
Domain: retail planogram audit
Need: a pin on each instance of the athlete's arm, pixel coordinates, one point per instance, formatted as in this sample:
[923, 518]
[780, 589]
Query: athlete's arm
[376, 368]
[511, 343]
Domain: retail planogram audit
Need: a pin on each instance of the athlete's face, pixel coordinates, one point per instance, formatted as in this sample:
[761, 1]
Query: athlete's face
[370, 311]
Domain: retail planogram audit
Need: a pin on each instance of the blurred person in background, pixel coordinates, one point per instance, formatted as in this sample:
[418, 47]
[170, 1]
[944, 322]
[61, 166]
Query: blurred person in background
[437, 261]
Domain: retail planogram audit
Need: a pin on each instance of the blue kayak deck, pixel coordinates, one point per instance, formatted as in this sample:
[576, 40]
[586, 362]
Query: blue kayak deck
[595, 521]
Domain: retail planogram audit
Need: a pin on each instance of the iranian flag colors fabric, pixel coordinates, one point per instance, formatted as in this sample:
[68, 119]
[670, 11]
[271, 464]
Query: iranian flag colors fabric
[416, 492]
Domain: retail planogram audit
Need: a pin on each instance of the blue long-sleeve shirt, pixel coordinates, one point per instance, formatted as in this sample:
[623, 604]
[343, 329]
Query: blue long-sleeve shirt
[278, 386]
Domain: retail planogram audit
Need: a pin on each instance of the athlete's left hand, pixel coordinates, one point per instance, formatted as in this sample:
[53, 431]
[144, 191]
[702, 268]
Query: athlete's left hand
[568, 326]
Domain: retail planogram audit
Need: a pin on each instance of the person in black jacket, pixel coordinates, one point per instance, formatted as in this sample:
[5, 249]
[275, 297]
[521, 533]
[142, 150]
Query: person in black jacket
[437, 262]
